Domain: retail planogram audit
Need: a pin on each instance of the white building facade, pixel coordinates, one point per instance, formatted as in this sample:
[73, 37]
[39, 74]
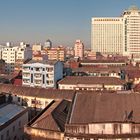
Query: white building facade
[117, 35]
[11, 54]
[79, 49]
[42, 74]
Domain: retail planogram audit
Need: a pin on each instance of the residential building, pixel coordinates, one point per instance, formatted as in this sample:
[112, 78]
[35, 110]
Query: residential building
[57, 53]
[79, 49]
[13, 53]
[117, 35]
[12, 121]
[91, 83]
[43, 74]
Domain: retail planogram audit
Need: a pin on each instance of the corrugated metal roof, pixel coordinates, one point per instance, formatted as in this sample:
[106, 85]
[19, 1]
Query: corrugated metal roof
[9, 111]
[91, 80]
[54, 118]
[101, 108]
[37, 92]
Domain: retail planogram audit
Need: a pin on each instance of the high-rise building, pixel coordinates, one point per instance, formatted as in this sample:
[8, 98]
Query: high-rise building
[48, 44]
[117, 35]
[132, 31]
[79, 49]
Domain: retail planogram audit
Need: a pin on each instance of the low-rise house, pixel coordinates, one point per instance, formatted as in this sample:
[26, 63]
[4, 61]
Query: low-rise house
[91, 83]
[35, 98]
[12, 121]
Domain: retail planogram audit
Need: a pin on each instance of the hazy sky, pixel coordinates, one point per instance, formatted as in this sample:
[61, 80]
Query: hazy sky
[62, 21]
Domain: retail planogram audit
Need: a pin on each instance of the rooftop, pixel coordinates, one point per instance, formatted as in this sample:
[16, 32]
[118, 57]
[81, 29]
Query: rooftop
[50, 62]
[53, 117]
[73, 80]
[37, 92]
[102, 108]
[8, 112]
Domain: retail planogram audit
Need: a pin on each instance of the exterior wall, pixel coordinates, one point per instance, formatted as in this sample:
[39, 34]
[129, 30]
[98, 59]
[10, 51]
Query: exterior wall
[41, 75]
[132, 31]
[106, 35]
[36, 48]
[11, 54]
[118, 34]
[15, 130]
[79, 49]
[58, 72]
[30, 101]
[91, 87]
[33, 133]
[103, 131]
[56, 53]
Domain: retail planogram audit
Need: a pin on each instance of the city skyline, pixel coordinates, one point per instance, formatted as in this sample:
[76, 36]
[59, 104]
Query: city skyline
[60, 21]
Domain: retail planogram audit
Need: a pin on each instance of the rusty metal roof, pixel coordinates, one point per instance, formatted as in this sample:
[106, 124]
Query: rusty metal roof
[103, 108]
[37, 92]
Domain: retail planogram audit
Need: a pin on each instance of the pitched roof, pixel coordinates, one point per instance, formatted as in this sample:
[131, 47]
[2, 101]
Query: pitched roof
[102, 108]
[97, 69]
[37, 92]
[91, 80]
[53, 117]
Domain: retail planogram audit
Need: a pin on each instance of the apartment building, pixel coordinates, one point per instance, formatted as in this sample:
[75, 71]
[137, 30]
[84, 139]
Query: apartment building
[79, 49]
[12, 53]
[57, 53]
[43, 74]
[117, 35]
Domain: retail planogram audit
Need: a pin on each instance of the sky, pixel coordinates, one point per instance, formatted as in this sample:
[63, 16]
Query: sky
[61, 21]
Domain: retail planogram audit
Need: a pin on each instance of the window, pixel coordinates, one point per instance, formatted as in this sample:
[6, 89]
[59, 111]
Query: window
[31, 78]
[18, 99]
[7, 133]
[43, 78]
[2, 137]
[19, 123]
[13, 128]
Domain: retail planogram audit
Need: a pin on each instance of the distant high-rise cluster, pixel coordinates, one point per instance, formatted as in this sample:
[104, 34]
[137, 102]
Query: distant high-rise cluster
[117, 35]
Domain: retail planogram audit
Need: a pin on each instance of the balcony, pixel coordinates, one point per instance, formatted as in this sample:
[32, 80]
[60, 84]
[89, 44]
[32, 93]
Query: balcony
[38, 76]
[26, 69]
